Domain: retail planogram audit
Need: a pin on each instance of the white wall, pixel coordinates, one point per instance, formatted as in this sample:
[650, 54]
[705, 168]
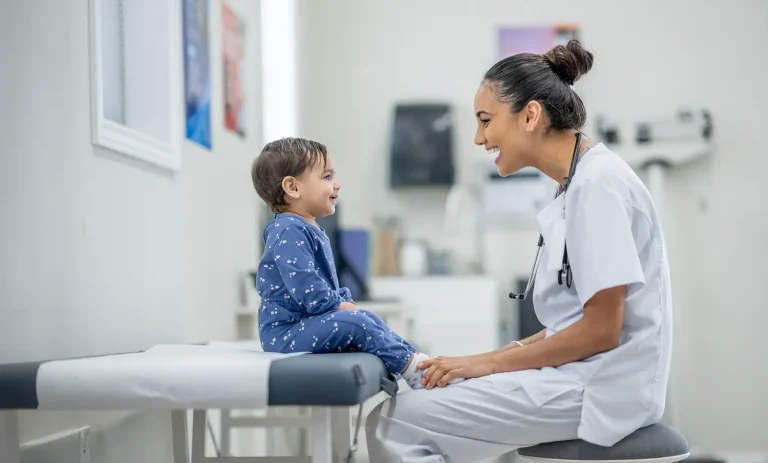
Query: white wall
[357, 58]
[99, 253]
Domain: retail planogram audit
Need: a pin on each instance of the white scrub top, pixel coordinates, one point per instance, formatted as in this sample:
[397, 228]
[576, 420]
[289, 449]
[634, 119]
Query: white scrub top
[613, 238]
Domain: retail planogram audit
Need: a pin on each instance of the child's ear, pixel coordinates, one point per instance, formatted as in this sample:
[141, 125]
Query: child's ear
[291, 187]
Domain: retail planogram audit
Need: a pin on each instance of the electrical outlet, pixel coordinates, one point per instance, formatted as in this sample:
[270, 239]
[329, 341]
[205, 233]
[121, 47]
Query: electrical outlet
[70, 446]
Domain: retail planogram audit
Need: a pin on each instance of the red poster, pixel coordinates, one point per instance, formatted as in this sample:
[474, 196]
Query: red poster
[234, 70]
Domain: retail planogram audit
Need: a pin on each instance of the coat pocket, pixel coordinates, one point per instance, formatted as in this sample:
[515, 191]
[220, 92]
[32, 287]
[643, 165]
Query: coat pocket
[505, 382]
[547, 383]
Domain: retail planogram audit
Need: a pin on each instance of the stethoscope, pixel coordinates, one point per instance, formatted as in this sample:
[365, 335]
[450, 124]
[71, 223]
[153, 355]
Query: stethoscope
[564, 275]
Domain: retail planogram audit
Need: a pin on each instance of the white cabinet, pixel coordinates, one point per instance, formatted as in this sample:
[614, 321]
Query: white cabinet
[451, 315]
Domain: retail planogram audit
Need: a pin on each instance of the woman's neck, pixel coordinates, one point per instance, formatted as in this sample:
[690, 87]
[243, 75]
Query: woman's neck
[556, 155]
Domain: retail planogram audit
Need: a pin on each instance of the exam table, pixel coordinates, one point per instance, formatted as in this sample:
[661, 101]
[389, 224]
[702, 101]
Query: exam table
[177, 378]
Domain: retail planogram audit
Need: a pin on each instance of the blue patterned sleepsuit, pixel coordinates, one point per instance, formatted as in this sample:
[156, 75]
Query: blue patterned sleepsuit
[300, 297]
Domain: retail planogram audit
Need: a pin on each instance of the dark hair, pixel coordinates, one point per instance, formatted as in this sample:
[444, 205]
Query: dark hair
[287, 157]
[546, 78]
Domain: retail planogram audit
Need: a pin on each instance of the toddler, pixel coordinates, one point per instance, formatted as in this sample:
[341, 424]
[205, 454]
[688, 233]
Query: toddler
[303, 307]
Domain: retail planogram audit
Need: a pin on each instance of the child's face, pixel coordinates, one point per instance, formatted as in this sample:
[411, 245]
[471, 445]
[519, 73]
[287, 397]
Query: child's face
[319, 190]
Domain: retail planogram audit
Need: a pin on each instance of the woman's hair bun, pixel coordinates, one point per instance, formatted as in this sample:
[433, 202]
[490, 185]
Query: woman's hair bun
[569, 62]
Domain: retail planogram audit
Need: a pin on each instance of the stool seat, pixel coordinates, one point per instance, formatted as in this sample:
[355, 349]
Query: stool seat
[656, 443]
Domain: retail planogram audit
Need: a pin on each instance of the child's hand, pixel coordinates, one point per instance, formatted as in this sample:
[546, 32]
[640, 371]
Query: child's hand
[347, 306]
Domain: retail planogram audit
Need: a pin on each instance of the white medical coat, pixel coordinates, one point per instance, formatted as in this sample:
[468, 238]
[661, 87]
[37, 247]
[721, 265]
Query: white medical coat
[613, 238]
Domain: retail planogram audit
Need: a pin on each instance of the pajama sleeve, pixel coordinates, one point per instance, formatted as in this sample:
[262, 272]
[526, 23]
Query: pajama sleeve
[346, 294]
[295, 260]
[602, 248]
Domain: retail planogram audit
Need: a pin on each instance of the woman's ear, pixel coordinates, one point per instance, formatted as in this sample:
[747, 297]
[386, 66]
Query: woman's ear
[534, 115]
[291, 187]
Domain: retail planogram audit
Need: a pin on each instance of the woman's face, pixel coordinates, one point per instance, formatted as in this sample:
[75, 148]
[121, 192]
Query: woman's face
[503, 134]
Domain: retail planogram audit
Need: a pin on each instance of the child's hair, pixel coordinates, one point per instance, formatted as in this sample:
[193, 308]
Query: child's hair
[287, 157]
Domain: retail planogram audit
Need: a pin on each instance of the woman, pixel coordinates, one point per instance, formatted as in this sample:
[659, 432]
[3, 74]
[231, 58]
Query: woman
[599, 369]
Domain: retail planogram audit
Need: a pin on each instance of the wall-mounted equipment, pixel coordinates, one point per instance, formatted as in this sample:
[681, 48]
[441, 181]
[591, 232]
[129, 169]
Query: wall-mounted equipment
[421, 146]
[653, 145]
[669, 139]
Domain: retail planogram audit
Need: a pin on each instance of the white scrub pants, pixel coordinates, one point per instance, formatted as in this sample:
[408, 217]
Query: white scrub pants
[468, 421]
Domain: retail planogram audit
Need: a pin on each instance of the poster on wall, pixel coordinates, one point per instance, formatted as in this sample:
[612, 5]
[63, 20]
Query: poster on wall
[233, 42]
[533, 39]
[197, 72]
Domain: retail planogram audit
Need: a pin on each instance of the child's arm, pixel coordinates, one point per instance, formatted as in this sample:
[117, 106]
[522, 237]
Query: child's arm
[295, 260]
[349, 303]
[346, 294]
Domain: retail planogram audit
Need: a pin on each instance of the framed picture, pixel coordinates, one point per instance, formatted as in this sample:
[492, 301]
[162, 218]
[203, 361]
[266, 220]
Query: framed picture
[233, 54]
[197, 72]
[135, 73]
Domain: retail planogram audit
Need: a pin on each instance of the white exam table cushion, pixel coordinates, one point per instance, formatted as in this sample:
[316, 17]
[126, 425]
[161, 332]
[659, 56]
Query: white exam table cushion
[186, 376]
[216, 375]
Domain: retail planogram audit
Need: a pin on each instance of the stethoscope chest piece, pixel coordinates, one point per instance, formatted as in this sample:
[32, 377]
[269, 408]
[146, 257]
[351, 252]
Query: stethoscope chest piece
[565, 275]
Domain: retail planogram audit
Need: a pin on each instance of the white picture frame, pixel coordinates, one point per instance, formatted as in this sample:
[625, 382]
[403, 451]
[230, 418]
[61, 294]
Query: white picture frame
[145, 80]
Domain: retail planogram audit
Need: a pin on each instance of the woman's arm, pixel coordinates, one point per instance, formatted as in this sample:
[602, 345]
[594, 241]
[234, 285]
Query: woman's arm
[526, 342]
[535, 338]
[597, 331]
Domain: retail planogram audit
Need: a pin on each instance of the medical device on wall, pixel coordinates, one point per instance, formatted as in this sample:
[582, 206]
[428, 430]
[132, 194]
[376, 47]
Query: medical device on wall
[672, 140]
[514, 200]
[653, 145]
[518, 197]
[421, 145]
[485, 200]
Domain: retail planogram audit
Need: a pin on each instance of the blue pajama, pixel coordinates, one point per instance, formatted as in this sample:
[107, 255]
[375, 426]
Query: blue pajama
[300, 297]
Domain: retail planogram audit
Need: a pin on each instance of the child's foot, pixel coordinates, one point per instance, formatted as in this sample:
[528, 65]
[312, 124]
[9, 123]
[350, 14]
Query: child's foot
[412, 375]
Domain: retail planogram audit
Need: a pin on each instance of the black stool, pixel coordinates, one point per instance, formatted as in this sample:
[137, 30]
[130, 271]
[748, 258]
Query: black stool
[657, 443]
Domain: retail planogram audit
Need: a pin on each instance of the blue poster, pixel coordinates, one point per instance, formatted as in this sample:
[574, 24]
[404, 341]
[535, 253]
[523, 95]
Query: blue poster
[197, 72]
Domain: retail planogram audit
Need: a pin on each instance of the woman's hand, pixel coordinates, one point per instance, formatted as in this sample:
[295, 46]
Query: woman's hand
[441, 370]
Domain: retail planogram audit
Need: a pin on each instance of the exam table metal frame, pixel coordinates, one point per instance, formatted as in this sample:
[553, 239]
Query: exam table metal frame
[329, 419]
[331, 439]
